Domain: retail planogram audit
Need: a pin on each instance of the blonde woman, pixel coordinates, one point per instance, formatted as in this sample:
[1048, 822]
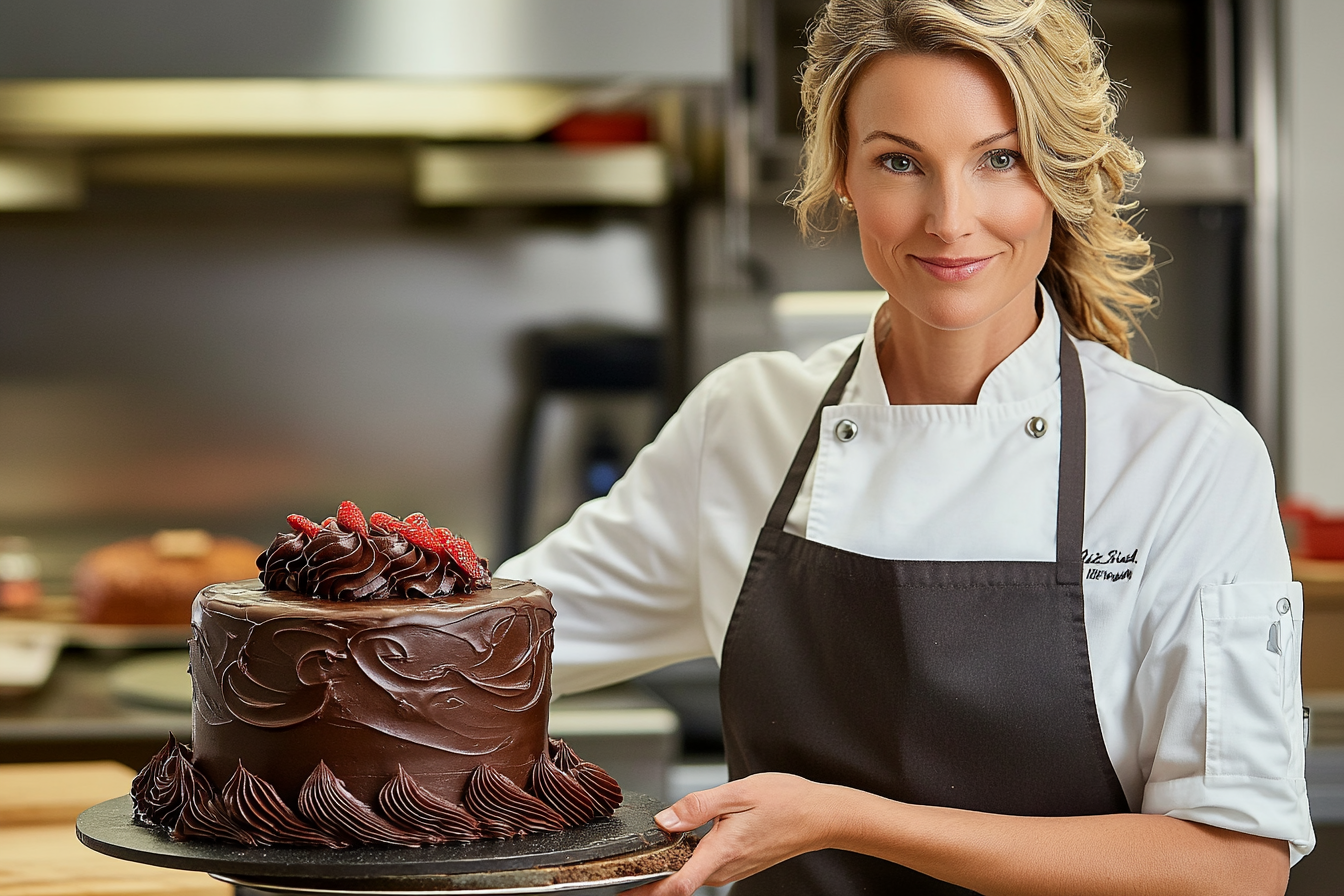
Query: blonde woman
[996, 609]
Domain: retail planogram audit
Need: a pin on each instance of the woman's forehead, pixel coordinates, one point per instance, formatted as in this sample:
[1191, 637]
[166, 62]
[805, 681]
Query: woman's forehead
[942, 95]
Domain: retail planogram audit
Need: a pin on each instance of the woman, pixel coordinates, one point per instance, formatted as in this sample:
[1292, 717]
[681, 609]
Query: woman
[1020, 618]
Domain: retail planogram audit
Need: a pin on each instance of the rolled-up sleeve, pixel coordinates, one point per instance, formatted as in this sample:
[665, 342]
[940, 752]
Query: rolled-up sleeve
[1219, 686]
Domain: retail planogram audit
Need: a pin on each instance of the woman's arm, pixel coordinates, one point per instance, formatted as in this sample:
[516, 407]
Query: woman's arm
[764, 819]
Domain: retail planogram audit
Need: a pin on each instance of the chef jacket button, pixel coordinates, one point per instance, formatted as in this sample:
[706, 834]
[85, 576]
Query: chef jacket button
[1284, 606]
[846, 430]
[1036, 427]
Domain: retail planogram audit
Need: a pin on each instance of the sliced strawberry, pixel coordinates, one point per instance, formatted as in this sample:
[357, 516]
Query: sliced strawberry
[300, 523]
[418, 520]
[422, 537]
[349, 518]
[385, 521]
[329, 523]
[461, 551]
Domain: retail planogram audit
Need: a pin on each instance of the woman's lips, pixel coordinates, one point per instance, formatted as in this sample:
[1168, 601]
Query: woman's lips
[953, 270]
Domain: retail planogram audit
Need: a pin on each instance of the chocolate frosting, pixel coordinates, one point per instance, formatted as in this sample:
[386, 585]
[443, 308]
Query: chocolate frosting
[564, 758]
[254, 806]
[202, 817]
[492, 797]
[337, 564]
[562, 793]
[161, 788]
[333, 809]
[602, 787]
[249, 810]
[410, 806]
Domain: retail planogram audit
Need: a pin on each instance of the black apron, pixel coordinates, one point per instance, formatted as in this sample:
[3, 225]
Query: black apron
[949, 683]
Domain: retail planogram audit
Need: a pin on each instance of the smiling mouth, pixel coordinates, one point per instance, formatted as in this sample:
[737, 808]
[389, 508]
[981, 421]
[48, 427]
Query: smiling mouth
[953, 270]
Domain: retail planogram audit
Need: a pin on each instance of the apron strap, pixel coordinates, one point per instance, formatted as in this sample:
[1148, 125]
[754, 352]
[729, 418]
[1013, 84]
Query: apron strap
[788, 492]
[1072, 465]
[1072, 460]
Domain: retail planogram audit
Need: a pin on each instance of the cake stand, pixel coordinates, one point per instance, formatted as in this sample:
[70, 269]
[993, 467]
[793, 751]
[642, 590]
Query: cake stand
[605, 856]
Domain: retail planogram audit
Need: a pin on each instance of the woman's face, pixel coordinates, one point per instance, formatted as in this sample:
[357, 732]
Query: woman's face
[952, 223]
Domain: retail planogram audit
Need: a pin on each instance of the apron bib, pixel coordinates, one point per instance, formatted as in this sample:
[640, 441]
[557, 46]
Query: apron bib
[964, 684]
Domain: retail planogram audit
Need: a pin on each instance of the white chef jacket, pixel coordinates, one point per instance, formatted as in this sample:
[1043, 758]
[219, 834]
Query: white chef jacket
[1193, 621]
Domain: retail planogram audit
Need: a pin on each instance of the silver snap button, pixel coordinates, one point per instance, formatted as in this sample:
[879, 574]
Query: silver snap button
[1284, 606]
[1036, 427]
[846, 430]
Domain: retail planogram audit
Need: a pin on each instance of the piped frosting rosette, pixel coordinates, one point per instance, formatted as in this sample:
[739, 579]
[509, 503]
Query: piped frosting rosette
[347, 557]
[564, 791]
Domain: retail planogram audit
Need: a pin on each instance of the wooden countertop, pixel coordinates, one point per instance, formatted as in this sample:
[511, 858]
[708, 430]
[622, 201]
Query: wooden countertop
[38, 806]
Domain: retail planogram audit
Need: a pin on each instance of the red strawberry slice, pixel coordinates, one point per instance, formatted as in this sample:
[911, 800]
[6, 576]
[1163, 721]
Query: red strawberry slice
[329, 523]
[349, 518]
[418, 520]
[422, 537]
[460, 550]
[385, 521]
[300, 523]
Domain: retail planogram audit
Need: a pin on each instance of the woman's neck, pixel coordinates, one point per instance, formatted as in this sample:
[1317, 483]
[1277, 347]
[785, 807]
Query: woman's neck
[921, 364]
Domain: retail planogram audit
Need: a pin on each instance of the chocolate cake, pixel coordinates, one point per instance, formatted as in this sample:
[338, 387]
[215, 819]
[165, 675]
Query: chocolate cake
[374, 686]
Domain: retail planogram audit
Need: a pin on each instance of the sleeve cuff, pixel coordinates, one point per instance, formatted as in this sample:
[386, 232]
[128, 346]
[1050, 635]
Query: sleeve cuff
[1266, 807]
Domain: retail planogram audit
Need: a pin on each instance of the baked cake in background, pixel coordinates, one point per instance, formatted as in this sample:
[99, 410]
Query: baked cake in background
[374, 686]
[152, 581]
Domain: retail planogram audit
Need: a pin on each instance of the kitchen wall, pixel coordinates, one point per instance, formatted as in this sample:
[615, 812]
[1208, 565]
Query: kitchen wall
[1314, 364]
[224, 358]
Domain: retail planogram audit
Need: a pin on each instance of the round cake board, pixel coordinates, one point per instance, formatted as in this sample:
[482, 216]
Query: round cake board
[478, 867]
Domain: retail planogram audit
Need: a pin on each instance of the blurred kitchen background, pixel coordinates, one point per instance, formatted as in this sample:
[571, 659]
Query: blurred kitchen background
[464, 257]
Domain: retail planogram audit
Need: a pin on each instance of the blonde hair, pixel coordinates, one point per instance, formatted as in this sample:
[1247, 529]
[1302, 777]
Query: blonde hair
[1066, 109]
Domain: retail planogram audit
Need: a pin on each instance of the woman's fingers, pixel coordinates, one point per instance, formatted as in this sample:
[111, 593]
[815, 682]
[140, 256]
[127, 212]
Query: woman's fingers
[758, 822]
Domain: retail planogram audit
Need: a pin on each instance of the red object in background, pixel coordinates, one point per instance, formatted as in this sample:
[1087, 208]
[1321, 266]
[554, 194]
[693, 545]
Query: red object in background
[1310, 533]
[602, 127]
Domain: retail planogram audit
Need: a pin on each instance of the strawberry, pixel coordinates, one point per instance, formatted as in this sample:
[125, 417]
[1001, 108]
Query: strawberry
[460, 550]
[422, 536]
[418, 520]
[385, 521]
[329, 523]
[349, 518]
[300, 523]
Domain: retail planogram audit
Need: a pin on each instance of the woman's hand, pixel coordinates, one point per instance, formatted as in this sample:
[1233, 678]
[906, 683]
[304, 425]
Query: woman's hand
[759, 821]
[764, 819]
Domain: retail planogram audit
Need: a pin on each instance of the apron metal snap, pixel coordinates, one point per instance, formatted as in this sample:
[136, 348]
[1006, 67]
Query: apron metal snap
[1284, 606]
[1036, 427]
[846, 430]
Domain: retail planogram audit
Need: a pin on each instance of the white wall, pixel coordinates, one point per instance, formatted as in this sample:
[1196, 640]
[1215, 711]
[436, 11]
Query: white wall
[1314, 249]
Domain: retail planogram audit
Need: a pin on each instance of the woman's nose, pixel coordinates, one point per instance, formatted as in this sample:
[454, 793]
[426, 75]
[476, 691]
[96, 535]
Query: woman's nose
[951, 212]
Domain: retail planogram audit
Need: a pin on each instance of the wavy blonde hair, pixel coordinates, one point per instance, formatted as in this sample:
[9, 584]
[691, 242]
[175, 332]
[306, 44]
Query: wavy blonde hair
[1066, 108]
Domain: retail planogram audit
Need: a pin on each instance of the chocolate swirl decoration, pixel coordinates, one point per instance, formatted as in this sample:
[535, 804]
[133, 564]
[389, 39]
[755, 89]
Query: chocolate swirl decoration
[349, 559]
[202, 817]
[561, 792]
[327, 804]
[408, 805]
[493, 798]
[283, 566]
[170, 792]
[255, 807]
[344, 566]
[602, 787]
[161, 788]
[563, 756]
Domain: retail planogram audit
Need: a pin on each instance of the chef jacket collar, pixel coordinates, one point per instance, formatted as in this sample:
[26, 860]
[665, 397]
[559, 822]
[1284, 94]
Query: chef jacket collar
[1029, 370]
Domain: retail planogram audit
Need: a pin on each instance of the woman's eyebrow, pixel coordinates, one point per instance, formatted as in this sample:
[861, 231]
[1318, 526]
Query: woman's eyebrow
[887, 135]
[996, 138]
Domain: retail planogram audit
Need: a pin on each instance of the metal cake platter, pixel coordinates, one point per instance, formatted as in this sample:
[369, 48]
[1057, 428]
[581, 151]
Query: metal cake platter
[608, 848]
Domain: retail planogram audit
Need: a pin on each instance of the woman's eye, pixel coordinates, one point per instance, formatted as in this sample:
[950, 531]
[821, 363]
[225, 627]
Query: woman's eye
[1001, 160]
[898, 163]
